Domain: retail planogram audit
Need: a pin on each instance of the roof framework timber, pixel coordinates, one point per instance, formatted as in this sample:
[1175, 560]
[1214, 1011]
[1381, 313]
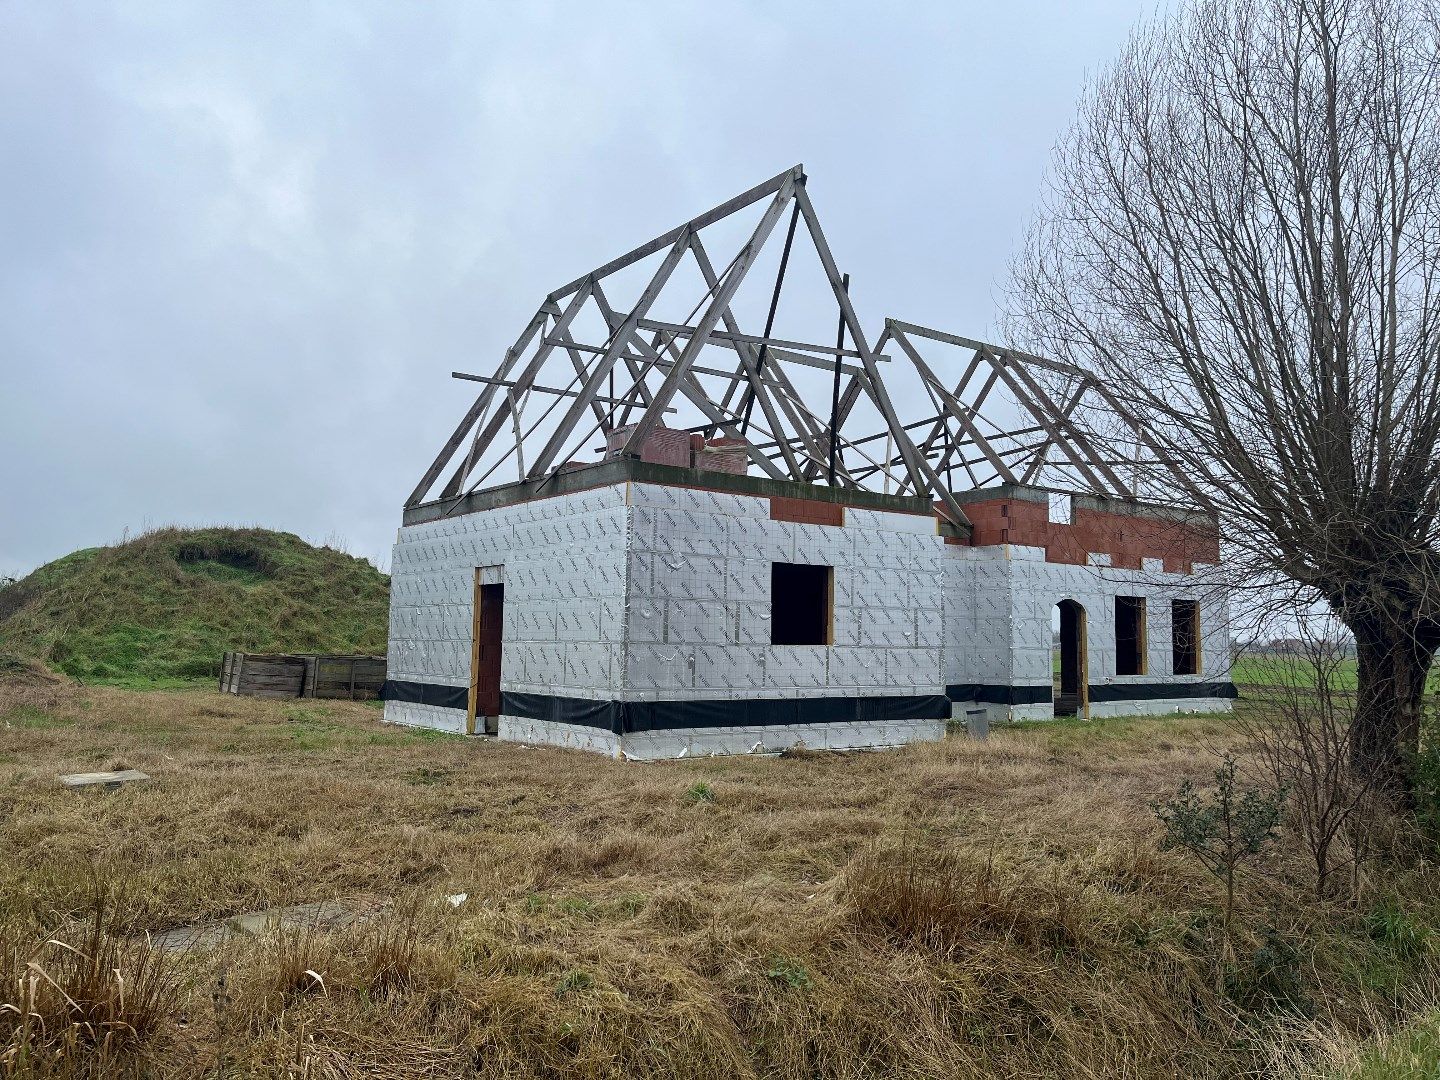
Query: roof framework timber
[1044, 441]
[585, 367]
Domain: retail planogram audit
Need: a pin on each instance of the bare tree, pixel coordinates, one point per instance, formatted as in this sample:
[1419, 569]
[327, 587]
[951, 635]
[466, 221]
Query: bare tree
[1305, 740]
[1242, 234]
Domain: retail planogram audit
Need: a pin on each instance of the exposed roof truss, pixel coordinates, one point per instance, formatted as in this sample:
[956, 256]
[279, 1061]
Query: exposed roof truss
[1015, 418]
[681, 333]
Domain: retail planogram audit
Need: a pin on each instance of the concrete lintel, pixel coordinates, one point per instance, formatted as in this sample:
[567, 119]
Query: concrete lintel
[1023, 492]
[1136, 508]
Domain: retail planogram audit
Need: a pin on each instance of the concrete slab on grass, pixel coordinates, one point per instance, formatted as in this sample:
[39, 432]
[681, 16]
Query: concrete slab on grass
[109, 780]
[324, 915]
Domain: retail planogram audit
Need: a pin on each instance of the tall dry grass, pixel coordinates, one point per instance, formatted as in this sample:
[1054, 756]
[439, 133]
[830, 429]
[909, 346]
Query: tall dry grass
[81, 1000]
[949, 910]
[28, 684]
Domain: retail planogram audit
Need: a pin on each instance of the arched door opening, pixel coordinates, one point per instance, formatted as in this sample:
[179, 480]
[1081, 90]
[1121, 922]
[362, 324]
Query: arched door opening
[1071, 675]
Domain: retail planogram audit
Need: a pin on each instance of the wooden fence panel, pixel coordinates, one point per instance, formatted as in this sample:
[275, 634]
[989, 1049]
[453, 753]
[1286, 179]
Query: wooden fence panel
[262, 675]
[356, 678]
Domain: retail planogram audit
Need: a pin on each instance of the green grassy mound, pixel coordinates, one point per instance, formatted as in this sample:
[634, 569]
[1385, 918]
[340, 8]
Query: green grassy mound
[165, 606]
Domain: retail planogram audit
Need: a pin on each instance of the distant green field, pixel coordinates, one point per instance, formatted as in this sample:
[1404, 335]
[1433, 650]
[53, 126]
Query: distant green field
[1278, 669]
[1282, 670]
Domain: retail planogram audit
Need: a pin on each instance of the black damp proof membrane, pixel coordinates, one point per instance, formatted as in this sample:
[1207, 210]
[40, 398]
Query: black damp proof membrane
[995, 694]
[623, 717]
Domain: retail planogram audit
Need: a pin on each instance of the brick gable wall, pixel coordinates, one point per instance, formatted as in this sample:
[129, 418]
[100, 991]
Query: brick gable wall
[1125, 538]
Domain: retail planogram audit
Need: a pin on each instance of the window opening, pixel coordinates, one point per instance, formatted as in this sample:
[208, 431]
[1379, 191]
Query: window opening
[1185, 637]
[801, 608]
[1129, 635]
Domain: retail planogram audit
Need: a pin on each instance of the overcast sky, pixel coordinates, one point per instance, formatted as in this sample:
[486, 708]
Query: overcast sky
[243, 246]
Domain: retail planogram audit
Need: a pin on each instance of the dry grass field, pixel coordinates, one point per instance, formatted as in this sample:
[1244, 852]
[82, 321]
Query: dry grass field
[958, 909]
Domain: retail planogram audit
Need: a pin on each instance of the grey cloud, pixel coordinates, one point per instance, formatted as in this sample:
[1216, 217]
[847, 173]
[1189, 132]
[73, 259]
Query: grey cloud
[242, 246]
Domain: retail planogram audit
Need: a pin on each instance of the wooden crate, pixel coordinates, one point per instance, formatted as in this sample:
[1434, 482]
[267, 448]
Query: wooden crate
[262, 675]
[356, 678]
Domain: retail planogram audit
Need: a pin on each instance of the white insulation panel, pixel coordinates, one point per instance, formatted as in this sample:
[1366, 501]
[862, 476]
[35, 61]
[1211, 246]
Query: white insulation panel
[999, 627]
[644, 592]
[701, 609]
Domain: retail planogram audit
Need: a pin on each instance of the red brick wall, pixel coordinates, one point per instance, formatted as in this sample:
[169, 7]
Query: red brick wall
[1126, 538]
[806, 511]
[665, 446]
[1008, 521]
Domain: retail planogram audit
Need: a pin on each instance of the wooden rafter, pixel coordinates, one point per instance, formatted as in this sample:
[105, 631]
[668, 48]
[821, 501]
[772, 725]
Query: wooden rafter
[563, 382]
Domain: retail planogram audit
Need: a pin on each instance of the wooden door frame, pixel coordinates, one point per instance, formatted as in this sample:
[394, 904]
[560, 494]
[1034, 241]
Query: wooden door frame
[472, 706]
[474, 697]
[1082, 654]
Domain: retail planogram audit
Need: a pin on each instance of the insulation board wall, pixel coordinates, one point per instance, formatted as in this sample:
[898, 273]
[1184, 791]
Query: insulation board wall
[653, 593]
[700, 603]
[641, 593]
[562, 561]
[700, 610]
[999, 631]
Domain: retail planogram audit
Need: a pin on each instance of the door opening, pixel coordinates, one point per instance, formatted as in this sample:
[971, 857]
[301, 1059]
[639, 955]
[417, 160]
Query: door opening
[1071, 690]
[485, 657]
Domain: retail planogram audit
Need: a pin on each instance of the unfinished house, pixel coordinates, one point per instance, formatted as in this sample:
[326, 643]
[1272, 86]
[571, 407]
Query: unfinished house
[696, 510]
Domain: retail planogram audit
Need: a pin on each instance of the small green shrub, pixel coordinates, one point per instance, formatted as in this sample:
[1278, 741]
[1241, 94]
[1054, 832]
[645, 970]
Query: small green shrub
[699, 792]
[791, 972]
[1271, 978]
[1223, 832]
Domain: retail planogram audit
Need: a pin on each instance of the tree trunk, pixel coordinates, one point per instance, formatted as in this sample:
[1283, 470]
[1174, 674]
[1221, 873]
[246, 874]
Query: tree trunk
[1393, 663]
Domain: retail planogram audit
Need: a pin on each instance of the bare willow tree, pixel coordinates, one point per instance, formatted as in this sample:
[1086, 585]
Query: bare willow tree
[1242, 234]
